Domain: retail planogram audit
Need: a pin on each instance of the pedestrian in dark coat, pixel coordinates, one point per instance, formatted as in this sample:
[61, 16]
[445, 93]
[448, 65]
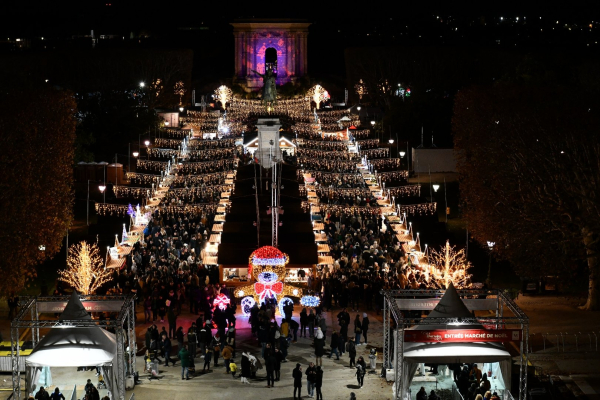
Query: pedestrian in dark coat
[207, 358]
[365, 326]
[270, 362]
[351, 348]
[319, 383]
[297, 375]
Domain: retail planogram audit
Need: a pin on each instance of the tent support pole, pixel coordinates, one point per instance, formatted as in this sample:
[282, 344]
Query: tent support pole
[386, 334]
[14, 359]
[132, 342]
[119, 368]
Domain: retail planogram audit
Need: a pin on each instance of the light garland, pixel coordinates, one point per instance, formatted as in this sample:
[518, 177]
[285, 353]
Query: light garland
[113, 210]
[167, 143]
[143, 179]
[418, 209]
[128, 191]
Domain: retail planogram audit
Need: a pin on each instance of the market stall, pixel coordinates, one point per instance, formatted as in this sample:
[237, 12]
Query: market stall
[452, 334]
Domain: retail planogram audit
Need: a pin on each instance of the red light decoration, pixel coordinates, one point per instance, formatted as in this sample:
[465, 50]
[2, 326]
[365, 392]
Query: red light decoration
[268, 289]
[221, 301]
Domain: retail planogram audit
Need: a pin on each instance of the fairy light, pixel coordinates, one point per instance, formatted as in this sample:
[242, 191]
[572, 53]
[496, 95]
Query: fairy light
[85, 271]
[223, 94]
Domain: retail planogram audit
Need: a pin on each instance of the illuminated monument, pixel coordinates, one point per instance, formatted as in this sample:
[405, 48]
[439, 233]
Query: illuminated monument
[280, 44]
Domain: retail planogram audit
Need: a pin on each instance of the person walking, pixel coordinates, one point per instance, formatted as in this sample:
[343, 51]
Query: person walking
[319, 383]
[227, 356]
[270, 361]
[42, 394]
[361, 370]
[365, 326]
[184, 358]
[166, 347]
[351, 349]
[278, 361]
[57, 395]
[311, 323]
[311, 375]
[319, 347]
[179, 335]
[207, 358]
[192, 335]
[297, 375]
[246, 367]
[357, 329]
[335, 338]
[303, 322]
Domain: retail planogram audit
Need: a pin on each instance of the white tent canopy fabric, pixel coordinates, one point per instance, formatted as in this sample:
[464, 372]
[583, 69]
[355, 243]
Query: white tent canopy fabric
[72, 346]
[451, 306]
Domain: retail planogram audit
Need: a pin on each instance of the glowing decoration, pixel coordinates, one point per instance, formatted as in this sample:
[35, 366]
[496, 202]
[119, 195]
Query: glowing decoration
[318, 94]
[284, 302]
[268, 290]
[267, 266]
[85, 271]
[124, 235]
[385, 86]
[221, 301]
[449, 265]
[361, 89]
[179, 90]
[310, 301]
[247, 304]
[223, 94]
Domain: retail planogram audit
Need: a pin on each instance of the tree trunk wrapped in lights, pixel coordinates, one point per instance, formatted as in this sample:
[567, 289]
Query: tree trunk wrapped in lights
[85, 272]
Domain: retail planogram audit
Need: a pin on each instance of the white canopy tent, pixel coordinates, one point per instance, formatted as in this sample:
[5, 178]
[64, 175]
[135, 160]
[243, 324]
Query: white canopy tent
[70, 346]
[450, 307]
[449, 313]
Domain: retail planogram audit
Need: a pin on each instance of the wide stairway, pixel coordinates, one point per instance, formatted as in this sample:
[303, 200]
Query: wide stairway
[240, 238]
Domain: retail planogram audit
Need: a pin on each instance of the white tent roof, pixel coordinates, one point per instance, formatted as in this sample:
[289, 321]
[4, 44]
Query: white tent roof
[449, 353]
[72, 346]
[449, 306]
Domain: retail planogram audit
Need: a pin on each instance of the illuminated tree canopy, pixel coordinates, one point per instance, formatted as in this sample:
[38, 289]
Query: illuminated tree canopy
[85, 270]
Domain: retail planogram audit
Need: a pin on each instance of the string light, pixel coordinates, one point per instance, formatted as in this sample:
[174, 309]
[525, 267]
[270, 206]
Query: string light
[223, 94]
[361, 89]
[85, 271]
[221, 301]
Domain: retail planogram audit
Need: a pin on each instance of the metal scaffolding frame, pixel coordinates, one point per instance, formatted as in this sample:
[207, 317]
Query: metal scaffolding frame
[125, 318]
[394, 321]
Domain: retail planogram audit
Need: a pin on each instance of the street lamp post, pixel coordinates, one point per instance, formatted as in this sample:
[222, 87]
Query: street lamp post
[88, 204]
[391, 141]
[488, 281]
[147, 143]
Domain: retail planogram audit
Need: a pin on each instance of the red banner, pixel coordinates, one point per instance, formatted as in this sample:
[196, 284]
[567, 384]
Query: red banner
[463, 335]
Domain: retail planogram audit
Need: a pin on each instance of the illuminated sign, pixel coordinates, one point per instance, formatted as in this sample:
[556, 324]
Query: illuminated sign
[463, 335]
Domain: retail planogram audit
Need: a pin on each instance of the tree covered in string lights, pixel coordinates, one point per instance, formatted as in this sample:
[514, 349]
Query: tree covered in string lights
[85, 272]
[449, 266]
[179, 90]
[223, 94]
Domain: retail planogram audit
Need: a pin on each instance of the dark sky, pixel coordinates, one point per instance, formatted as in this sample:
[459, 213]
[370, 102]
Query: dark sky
[36, 17]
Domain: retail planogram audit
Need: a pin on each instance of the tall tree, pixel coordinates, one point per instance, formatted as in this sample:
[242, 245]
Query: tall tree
[36, 157]
[529, 163]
